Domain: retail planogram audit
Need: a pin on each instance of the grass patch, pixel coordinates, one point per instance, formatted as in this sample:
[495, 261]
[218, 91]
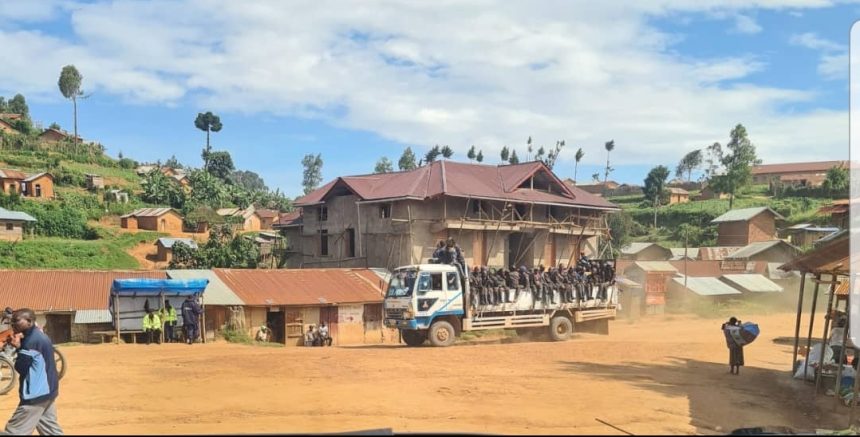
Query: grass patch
[108, 252]
[237, 336]
[120, 177]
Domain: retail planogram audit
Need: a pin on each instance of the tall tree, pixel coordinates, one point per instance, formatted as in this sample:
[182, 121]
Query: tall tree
[579, 155]
[447, 152]
[529, 149]
[471, 154]
[249, 180]
[432, 154]
[70, 87]
[513, 159]
[384, 165]
[688, 163]
[655, 187]
[480, 157]
[714, 160]
[312, 175]
[506, 154]
[18, 105]
[407, 160]
[738, 163]
[552, 156]
[595, 177]
[609, 146]
[208, 122]
[539, 155]
[837, 182]
[220, 165]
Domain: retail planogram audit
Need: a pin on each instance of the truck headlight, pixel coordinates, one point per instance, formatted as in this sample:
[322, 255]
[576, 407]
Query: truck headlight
[408, 314]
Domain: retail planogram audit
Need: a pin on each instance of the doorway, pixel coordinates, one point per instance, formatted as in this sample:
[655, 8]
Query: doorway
[521, 249]
[59, 327]
[276, 322]
[329, 316]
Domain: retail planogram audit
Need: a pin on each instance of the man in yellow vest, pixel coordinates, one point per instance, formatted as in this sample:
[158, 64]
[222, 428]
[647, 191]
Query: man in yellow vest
[152, 326]
[168, 315]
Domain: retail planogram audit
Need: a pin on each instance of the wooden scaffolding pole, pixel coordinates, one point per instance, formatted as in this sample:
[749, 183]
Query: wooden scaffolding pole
[797, 322]
[811, 325]
[827, 318]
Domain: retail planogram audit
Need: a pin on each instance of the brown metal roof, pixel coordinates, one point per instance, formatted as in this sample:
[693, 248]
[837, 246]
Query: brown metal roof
[460, 180]
[150, 212]
[303, 287]
[830, 257]
[796, 167]
[676, 190]
[62, 290]
[292, 218]
[267, 213]
[716, 253]
[11, 174]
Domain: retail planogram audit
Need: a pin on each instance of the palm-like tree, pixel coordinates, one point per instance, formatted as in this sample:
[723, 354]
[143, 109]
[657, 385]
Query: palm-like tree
[579, 155]
[610, 145]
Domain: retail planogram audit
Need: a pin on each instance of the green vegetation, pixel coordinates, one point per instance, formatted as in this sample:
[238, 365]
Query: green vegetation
[59, 253]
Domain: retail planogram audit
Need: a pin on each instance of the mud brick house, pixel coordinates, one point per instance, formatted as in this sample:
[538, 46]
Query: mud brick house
[153, 219]
[795, 174]
[740, 227]
[39, 185]
[12, 224]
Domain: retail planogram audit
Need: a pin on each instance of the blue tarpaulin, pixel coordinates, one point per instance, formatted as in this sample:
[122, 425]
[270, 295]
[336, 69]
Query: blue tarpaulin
[154, 287]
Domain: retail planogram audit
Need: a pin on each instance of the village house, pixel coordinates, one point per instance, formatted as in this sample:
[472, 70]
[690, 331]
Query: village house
[39, 185]
[221, 306]
[805, 234]
[709, 193]
[646, 252]
[795, 174]
[52, 135]
[740, 227]
[681, 253]
[7, 128]
[349, 301]
[775, 251]
[678, 195]
[499, 216]
[153, 219]
[838, 212]
[70, 305]
[243, 219]
[165, 247]
[12, 224]
[267, 218]
[95, 182]
[654, 277]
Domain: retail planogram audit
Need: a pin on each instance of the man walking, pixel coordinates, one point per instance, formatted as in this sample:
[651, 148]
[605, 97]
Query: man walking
[190, 313]
[38, 384]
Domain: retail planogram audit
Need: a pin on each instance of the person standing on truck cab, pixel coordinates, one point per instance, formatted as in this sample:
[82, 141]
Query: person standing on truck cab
[440, 252]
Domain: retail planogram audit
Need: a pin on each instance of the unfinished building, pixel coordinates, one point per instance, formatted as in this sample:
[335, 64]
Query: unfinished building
[504, 215]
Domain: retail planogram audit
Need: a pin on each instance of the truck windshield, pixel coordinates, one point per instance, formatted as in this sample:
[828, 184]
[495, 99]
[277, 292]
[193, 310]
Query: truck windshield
[402, 282]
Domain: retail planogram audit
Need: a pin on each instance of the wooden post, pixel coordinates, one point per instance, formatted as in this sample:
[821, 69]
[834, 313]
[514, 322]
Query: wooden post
[116, 315]
[826, 328]
[839, 361]
[811, 324]
[411, 248]
[797, 322]
[203, 325]
[161, 330]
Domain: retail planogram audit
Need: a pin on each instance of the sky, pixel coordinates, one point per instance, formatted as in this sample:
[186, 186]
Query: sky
[659, 77]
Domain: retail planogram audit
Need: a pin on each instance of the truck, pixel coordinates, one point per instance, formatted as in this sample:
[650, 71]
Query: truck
[434, 302]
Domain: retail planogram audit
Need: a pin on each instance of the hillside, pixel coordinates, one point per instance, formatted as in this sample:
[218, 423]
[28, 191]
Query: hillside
[699, 213]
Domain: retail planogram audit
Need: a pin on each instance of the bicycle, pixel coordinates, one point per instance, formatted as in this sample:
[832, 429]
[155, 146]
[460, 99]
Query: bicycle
[8, 355]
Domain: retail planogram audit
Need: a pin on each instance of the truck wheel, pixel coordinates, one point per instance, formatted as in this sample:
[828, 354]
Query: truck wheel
[560, 328]
[442, 334]
[413, 338]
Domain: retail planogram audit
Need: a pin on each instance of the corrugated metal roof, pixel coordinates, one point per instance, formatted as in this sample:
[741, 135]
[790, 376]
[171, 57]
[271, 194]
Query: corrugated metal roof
[217, 292]
[634, 248]
[11, 174]
[678, 253]
[83, 317]
[37, 175]
[655, 266]
[676, 190]
[169, 242]
[752, 283]
[796, 167]
[303, 286]
[830, 255]
[5, 214]
[716, 253]
[706, 286]
[744, 214]
[148, 212]
[460, 180]
[753, 249]
[62, 290]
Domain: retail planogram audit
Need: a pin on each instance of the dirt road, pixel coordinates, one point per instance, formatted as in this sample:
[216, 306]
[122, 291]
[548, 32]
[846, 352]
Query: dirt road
[655, 376]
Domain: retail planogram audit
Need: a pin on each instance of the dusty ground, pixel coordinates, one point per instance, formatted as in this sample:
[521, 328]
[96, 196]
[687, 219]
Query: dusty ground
[145, 254]
[656, 376]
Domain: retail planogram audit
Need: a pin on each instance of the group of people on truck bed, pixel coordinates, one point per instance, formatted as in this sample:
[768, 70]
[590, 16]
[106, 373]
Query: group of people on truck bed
[494, 286]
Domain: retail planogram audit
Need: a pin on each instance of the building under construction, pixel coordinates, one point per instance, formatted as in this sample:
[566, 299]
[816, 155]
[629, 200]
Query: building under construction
[503, 215]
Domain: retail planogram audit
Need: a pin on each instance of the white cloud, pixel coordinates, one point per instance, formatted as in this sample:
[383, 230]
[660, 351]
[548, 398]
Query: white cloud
[484, 73]
[834, 56]
[746, 24]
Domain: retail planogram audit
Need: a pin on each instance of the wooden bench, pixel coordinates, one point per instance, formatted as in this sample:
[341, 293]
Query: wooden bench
[112, 335]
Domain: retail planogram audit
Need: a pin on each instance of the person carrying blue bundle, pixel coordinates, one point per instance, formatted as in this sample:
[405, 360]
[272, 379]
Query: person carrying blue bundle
[736, 351]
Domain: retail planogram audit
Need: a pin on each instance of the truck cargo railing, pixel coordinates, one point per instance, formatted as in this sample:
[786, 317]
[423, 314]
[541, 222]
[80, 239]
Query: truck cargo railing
[499, 322]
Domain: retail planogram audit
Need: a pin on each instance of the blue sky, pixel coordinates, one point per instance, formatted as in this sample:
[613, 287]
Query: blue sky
[661, 78]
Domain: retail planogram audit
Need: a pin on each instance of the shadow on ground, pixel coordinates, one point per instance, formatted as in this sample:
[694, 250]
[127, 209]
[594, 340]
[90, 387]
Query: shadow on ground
[720, 402]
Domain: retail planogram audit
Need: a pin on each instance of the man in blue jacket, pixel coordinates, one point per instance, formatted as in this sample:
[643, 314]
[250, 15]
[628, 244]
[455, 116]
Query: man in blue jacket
[190, 313]
[38, 384]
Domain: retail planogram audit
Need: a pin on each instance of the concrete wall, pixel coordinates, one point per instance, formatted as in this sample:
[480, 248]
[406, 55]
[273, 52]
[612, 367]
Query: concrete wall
[14, 234]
